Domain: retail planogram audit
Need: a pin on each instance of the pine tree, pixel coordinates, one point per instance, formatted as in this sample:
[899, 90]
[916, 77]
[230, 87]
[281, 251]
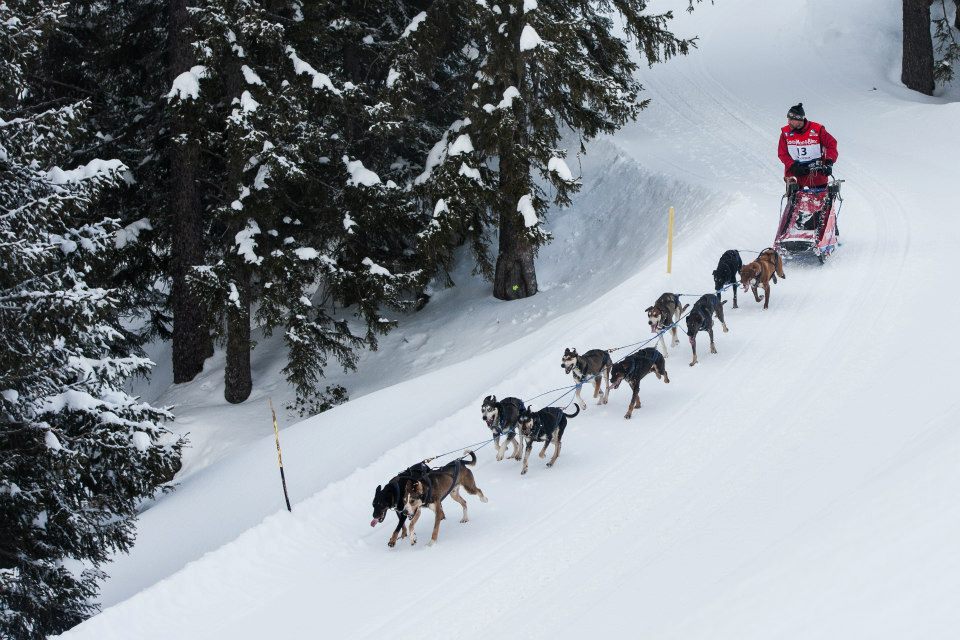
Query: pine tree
[132, 50]
[77, 453]
[948, 43]
[306, 227]
[534, 72]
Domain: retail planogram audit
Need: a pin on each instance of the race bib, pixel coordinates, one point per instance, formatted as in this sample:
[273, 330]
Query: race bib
[806, 151]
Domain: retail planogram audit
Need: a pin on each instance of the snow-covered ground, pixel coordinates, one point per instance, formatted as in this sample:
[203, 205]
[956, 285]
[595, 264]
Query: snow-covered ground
[800, 483]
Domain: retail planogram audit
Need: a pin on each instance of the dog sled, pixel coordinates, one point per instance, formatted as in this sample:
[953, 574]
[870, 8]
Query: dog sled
[808, 223]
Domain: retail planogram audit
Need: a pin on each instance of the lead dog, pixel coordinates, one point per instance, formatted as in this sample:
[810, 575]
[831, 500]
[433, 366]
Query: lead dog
[592, 363]
[701, 319]
[392, 495]
[430, 491]
[546, 425]
[664, 312]
[634, 368]
[501, 418]
[727, 271]
[767, 266]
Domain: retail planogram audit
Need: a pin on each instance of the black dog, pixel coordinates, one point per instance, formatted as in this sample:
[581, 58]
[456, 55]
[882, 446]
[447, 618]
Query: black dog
[700, 318]
[501, 418]
[392, 497]
[727, 271]
[634, 368]
[546, 426]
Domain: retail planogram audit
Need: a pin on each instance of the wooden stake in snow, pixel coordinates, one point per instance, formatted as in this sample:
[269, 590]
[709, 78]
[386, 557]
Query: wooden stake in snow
[670, 240]
[276, 434]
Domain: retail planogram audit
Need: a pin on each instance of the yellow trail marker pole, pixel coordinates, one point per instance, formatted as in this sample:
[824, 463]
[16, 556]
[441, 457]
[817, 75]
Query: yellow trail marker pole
[670, 240]
[276, 435]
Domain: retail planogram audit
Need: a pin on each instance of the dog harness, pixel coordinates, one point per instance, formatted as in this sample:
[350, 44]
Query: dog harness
[427, 496]
[502, 422]
[417, 472]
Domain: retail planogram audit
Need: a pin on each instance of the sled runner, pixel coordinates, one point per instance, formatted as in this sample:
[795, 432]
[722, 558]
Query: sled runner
[808, 224]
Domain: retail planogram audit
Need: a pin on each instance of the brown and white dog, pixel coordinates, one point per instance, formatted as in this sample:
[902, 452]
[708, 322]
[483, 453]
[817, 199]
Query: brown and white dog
[592, 363]
[664, 312]
[633, 368]
[434, 487]
[546, 425]
[700, 318]
[758, 273]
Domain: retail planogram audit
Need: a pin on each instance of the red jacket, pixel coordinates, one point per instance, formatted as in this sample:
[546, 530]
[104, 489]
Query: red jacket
[809, 144]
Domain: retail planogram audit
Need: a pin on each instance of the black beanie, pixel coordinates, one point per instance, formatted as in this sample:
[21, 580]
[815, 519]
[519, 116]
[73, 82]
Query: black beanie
[796, 111]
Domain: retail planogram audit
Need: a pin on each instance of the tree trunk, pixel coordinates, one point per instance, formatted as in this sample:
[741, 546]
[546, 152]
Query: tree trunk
[956, 14]
[237, 381]
[191, 336]
[917, 46]
[515, 276]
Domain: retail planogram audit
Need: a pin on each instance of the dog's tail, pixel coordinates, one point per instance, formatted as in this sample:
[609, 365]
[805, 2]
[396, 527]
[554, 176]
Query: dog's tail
[684, 308]
[723, 302]
[575, 413]
[473, 458]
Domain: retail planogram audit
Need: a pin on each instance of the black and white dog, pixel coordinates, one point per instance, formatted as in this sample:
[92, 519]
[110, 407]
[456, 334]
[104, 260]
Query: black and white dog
[501, 418]
[391, 496]
[546, 425]
[700, 318]
[727, 271]
[592, 363]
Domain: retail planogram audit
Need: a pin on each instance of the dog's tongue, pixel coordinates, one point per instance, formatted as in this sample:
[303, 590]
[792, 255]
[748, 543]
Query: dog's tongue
[373, 522]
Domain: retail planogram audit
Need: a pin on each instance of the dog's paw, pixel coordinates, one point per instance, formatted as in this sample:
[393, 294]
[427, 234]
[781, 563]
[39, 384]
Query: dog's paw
[484, 499]
[627, 416]
[413, 540]
[499, 457]
[543, 455]
[693, 363]
[523, 471]
[549, 464]
[713, 350]
[392, 544]
[725, 330]
[464, 519]
[431, 543]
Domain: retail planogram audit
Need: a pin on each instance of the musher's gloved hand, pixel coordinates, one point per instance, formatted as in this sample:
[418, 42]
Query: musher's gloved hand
[799, 169]
[826, 169]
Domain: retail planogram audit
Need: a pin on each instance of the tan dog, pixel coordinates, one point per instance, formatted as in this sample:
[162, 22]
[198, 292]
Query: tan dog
[437, 485]
[766, 267]
[593, 363]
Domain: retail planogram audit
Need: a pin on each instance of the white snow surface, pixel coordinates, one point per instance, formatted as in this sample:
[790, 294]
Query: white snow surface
[187, 84]
[92, 169]
[529, 38]
[360, 175]
[559, 167]
[526, 209]
[414, 24]
[800, 483]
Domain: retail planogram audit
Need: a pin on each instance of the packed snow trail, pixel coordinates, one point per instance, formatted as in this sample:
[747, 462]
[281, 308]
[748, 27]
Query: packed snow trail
[799, 483]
